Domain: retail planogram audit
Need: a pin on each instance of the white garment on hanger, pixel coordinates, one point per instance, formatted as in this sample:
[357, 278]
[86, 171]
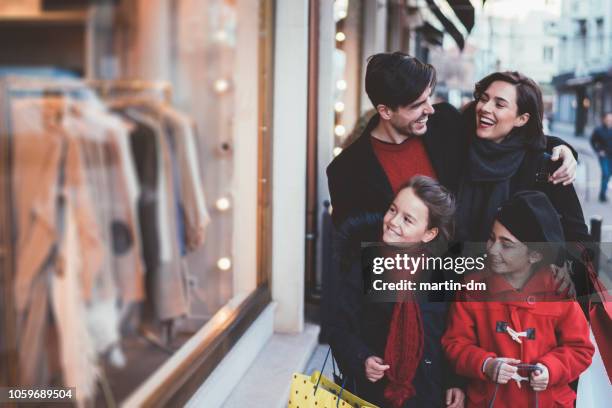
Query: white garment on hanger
[186, 142]
[76, 348]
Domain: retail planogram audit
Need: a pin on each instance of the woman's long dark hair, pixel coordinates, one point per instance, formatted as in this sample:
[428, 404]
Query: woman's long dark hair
[528, 99]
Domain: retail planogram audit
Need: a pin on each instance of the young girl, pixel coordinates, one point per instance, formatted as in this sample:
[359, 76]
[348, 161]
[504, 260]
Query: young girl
[391, 352]
[521, 331]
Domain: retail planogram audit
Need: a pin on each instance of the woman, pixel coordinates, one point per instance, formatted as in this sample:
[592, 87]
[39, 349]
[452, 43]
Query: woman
[506, 155]
[518, 343]
[391, 352]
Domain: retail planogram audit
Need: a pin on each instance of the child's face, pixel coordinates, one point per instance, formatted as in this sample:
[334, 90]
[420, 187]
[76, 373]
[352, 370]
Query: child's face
[506, 254]
[406, 220]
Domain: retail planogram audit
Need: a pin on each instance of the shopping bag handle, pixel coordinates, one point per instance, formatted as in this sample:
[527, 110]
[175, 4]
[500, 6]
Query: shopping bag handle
[321, 375]
[321, 371]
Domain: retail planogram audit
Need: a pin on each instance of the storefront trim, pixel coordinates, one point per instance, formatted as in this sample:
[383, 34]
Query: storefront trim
[179, 378]
[222, 384]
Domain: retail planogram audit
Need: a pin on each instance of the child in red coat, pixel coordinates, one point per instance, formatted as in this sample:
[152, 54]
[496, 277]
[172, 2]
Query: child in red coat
[522, 345]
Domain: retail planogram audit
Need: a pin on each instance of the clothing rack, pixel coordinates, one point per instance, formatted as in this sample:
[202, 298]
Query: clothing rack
[15, 87]
[105, 87]
[38, 86]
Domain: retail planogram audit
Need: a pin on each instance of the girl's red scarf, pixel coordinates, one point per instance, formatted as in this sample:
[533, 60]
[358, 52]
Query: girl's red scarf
[403, 351]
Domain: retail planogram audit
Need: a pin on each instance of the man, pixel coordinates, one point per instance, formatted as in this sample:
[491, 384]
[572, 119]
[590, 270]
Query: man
[601, 140]
[407, 136]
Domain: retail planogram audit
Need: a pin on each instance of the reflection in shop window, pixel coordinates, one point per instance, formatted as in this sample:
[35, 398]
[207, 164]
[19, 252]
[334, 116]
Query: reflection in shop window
[122, 187]
[341, 9]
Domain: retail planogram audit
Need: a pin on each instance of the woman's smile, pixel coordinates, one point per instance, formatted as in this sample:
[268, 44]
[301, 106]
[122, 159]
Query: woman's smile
[485, 122]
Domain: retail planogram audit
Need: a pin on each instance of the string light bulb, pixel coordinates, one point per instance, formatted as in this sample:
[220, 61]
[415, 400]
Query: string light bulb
[341, 84]
[223, 204]
[220, 36]
[339, 130]
[340, 36]
[337, 150]
[339, 106]
[224, 263]
[221, 85]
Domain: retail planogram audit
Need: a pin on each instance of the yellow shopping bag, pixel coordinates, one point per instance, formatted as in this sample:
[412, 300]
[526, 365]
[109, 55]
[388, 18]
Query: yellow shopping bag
[318, 391]
[305, 394]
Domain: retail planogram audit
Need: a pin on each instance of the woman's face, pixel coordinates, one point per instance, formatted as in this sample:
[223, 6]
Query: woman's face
[506, 254]
[497, 112]
[406, 220]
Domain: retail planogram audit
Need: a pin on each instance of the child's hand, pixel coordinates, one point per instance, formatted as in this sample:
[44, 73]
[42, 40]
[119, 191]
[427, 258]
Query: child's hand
[375, 368]
[563, 280]
[501, 370]
[455, 398]
[539, 378]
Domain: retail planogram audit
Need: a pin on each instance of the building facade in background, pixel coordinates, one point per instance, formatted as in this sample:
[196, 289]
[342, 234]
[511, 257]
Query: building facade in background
[584, 81]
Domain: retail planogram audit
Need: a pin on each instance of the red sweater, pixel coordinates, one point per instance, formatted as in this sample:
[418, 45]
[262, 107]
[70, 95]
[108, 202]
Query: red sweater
[403, 161]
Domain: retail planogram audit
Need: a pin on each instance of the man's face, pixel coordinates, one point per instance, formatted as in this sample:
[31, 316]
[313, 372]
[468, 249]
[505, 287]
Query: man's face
[411, 119]
[608, 120]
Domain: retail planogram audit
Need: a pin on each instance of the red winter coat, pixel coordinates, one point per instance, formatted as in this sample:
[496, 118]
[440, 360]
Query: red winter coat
[561, 341]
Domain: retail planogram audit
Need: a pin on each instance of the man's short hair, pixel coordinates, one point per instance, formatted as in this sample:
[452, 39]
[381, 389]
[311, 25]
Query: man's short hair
[397, 79]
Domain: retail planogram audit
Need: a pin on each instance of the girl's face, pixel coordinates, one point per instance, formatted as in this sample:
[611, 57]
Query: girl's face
[407, 219]
[506, 254]
[497, 112]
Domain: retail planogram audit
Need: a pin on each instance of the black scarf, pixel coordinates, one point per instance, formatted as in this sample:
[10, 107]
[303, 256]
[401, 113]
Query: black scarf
[486, 183]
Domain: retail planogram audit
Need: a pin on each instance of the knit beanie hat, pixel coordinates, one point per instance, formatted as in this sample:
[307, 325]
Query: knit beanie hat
[531, 217]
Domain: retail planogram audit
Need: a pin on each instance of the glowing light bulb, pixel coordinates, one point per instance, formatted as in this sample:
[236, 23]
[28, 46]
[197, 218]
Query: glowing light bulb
[221, 85]
[340, 36]
[339, 106]
[337, 150]
[223, 204]
[341, 84]
[339, 130]
[220, 36]
[224, 263]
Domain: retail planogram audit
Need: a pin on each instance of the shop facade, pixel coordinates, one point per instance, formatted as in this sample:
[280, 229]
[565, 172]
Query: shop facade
[581, 101]
[181, 209]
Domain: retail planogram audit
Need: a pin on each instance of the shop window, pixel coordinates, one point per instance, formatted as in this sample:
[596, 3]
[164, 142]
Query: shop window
[133, 154]
[347, 62]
